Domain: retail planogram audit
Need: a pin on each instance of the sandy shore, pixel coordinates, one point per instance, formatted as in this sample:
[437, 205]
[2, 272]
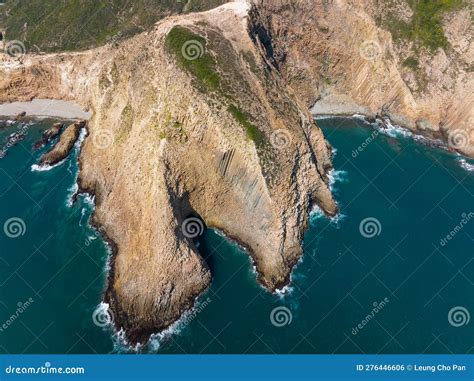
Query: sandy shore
[339, 105]
[45, 108]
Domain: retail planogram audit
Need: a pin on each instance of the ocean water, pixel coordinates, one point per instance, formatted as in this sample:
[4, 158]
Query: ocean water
[393, 273]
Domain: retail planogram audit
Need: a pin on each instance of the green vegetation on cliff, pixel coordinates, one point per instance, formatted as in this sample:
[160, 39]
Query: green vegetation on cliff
[190, 51]
[53, 25]
[425, 27]
[193, 54]
[253, 133]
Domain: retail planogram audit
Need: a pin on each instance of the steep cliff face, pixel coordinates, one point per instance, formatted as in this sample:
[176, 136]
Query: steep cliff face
[189, 122]
[341, 56]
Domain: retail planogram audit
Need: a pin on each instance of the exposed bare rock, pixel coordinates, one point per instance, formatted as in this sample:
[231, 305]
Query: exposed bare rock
[64, 146]
[20, 116]
[226, 141]
[215, 132]
[50, 134]
[332, 51]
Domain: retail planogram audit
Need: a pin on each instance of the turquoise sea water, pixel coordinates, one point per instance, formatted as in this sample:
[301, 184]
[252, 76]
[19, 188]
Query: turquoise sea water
[380, 278]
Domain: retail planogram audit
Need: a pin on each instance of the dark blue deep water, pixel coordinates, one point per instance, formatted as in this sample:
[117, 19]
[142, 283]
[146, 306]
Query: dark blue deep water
[383, 277]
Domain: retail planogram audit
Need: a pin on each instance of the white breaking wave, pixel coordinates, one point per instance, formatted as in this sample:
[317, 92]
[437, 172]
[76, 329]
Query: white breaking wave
[466, 165]
[285, 291]
[70, 195]
[45, 168]
[77, 145]
[335, 176]
[361, 117]
[393, 130]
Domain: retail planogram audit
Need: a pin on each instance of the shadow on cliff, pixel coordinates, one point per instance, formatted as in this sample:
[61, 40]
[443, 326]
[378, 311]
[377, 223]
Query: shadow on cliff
[193, 228]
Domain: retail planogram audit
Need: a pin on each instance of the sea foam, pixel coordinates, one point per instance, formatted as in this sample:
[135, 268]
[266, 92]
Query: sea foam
[466, 165]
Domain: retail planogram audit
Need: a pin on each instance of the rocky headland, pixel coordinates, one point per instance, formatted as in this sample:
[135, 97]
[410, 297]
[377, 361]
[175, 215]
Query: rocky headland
[189, 121]
[204, 120]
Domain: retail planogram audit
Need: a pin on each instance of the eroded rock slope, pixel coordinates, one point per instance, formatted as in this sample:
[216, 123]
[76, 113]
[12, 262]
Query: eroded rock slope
[189, 121]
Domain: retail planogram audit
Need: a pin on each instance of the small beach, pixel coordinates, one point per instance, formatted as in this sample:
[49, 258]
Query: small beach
[44, 108]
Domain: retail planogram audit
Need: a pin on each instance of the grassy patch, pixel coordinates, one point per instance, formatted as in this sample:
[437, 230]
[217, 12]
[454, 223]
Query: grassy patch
[412, 63]
[253, 133]
[126, 122]
[425, 27]
[53, 25]
[426, 23]
[190, 52]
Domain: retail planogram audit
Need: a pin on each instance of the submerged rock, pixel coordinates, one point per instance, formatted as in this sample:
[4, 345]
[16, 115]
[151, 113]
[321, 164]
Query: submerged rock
[50, 134]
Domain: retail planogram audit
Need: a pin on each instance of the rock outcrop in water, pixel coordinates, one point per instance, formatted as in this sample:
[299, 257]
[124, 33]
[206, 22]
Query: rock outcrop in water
[64, 145]
[50, 134]
[190, 121]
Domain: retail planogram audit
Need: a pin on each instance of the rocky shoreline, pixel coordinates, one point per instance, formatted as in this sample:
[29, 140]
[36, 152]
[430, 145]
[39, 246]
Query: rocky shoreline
[239, 149]
[437, 140]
